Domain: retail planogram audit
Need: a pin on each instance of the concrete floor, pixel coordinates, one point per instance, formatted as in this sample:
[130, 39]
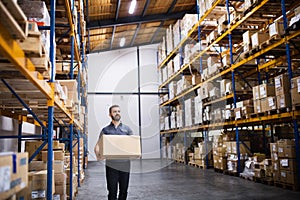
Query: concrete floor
[163, 180]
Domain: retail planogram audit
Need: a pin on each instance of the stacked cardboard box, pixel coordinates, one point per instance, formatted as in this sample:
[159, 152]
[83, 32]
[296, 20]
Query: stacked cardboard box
[276, 29]
[283, 96]
[187, 22]
[177, 63]
[287, 162]
[264, 98]
[179, 152]
[162, 50]
[243, 109]
[231, 150]
[79, 155]
[189, 112]
[179, 117]
[295, 91]
[283, 156]
[258, 38]
[176, 33]
[14, 176]
[247, 40]
[202, 155]
[169, 39]
[198, 109]
[219, 153]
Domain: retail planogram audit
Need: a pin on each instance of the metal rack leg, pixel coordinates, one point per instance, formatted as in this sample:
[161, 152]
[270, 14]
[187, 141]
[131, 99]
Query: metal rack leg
[296, 133]
[50, 152]
[71, 161]
[20, 135]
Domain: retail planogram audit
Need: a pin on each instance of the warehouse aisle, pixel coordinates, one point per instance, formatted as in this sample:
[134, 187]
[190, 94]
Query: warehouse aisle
[179, 182]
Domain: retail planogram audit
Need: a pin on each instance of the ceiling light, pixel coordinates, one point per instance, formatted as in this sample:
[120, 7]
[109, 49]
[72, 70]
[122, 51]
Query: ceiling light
[122, 42]
[132, 7]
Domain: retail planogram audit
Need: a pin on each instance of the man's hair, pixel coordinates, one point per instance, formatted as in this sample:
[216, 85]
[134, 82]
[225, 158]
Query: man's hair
[113, 106]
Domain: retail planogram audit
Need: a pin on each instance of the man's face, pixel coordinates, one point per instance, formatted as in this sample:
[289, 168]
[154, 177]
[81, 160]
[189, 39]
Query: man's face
[115, 114]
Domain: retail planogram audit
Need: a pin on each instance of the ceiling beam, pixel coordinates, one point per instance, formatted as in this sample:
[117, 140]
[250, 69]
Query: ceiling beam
[112, 37]
[135, 34]
[118, 10]
[157, 31]
[145, 8]
[136, 19]
[172, 6]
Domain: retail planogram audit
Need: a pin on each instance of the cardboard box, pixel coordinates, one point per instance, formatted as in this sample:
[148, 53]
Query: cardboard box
[276, 29]
[289, 151]
[295, 90]
[273, 147]
[288, 177]
[271, 103]
[246, 110]
[238, 113]
[58, 166]
[57, 155]
[255, 91]
[282, 84]
[288, 164]
[275, 165]
[38, 185]
[60, 178]
[266, 91]
[258, 38]
[36, 165]
[284, 101]
[32, 146]
[257, 106]
[14, 173]
[118, 147]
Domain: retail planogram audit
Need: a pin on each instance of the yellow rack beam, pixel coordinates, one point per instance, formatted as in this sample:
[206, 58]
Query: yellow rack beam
[274, 117]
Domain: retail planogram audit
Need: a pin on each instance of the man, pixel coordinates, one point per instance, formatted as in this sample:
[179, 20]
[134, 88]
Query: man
[117, 171]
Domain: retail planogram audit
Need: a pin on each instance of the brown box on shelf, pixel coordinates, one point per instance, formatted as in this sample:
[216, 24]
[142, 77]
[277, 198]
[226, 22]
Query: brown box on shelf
[264, 104]
[271, 103]
[38, 185]
[284, 101]
[258, 38]
[238, 113]
[246, 110]
[255, 91]
[284, 142]
[14, 176]
[288, 177]
[266, 90]
[60, 178]
[58, 166]
[287, 164]
[257, 106]
[289, 151]
[295, 90]
[276, 176]
[282, 84]
[36, 165]
[273, 147]
[275, 165]
[57, 155]
[32, 146]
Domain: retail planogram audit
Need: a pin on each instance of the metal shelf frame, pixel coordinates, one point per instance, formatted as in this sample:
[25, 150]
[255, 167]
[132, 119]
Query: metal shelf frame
[288, 117]
[12, 51]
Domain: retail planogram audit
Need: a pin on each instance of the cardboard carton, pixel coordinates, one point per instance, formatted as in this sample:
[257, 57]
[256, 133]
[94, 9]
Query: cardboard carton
[288, 177]
[282, 84]
[118, 147]
[284, 101]
[14, 173]
[288, 164]
[266, 90]
[57, 155]
[258, 38]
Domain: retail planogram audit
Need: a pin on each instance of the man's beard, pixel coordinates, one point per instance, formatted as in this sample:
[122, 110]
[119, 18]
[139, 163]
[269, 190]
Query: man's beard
[116, 118]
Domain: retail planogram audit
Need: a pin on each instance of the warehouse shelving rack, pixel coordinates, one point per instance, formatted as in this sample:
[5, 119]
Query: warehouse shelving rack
[21, 79]
[286, 117]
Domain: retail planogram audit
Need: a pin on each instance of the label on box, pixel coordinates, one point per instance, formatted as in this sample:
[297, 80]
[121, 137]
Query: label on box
[280, 149]
[277, 83]
[38, 194]
[256, 95]
[284, 162]
[298, 83]
[283, 174]
[262, 91]
[271, 102]
[4, 178]
[238, 114]
[282, 102]
[56, 197]
[275, 166]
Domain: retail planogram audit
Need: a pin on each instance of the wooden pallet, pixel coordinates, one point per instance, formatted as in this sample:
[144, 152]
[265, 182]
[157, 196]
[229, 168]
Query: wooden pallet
[218, 170]
[296, 107]
[272, 40]
[286, 186]
[230, 173]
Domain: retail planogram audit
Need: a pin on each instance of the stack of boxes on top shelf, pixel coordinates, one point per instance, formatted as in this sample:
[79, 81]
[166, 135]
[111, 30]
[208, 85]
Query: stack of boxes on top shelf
[203, 151]
[283, 156]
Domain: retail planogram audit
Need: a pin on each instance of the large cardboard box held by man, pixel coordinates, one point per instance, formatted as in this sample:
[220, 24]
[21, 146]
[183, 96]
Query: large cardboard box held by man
[118, 147]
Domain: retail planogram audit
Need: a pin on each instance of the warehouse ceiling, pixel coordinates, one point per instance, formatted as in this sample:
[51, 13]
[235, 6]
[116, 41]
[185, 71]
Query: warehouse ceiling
[109, 22]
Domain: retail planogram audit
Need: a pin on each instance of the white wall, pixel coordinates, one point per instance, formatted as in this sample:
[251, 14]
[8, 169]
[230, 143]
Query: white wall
[117, 72]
